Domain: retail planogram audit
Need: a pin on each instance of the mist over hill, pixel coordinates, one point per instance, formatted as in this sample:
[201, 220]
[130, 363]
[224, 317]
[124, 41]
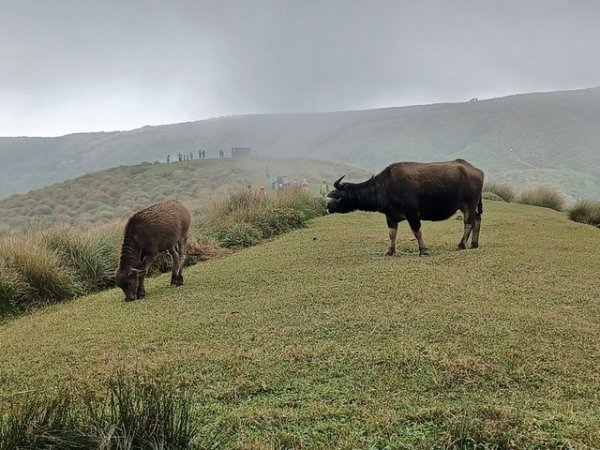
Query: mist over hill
[550, 138]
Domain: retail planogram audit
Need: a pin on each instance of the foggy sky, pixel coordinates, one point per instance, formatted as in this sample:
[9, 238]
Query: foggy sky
[90, 65]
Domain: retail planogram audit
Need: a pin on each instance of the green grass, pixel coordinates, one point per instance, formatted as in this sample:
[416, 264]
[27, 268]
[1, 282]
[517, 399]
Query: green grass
[316, 340]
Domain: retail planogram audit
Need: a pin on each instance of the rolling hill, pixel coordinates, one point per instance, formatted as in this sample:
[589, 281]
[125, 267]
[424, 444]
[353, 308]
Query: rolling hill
[316, 340]
[104, 196]
[550, 138]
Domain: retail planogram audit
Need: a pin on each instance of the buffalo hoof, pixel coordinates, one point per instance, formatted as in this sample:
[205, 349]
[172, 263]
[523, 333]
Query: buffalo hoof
[389, 253]
[462, 246]
[424, 252]
[475, 245]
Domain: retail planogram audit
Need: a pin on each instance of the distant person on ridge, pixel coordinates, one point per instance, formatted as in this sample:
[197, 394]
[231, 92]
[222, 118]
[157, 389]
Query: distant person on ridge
[168, 159]
[261, 193]
[324, 189]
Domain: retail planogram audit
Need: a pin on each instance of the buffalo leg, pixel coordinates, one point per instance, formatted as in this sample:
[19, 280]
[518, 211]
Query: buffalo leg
[468, 216]
[476, 228]
[393, 229]
[415, 226]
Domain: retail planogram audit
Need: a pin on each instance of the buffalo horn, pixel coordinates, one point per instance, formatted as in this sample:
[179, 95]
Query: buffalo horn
[337, 184]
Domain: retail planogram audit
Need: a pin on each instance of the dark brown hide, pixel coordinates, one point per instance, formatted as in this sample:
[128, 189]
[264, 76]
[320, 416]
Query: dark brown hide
[417, 191]
[159, 227]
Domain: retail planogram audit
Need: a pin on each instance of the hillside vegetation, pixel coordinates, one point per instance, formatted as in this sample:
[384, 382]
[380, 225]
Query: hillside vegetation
[316, 340]
[543, 138]
[104, 196]
[61, 263]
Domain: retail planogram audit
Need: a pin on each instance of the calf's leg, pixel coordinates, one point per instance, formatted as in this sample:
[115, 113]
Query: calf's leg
[182, 254]
[145, 263]
[141, 291]
[176, 279]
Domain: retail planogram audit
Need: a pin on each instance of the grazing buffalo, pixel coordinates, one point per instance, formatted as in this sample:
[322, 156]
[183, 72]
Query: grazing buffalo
[417, 191]
[159, 227]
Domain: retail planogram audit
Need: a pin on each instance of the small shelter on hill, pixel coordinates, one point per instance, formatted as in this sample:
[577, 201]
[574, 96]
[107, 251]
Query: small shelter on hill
[237, 152]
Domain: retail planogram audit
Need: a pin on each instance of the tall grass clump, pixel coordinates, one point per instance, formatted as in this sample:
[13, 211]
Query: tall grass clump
[585, 211]
[42, 423]
[90, 255]
[544, 196]
[13, 290]
[242, 219]
[142, 414]
[39, 268]
[131, 414]
[502, 190]
[302, 201]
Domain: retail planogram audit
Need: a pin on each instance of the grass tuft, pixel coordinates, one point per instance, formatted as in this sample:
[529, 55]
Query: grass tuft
[243, 220]
[13, 290]
[502, 190]
[133, 414]
[90, 255]
[544, 196]
[585, 211]
[40, 270]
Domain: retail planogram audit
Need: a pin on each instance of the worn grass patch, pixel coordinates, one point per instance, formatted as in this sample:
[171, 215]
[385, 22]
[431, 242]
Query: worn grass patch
[316, 340]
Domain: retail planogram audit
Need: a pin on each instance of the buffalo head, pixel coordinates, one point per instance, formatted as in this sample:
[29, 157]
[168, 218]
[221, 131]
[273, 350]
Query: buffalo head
[128, 280]
[339, 202]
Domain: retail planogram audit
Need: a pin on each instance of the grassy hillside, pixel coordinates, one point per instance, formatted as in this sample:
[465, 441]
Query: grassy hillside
[104, 196]
[316, 340]
[525, 139]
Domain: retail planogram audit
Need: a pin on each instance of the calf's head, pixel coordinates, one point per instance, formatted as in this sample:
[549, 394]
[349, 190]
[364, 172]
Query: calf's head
[128, 280]
[339, 202]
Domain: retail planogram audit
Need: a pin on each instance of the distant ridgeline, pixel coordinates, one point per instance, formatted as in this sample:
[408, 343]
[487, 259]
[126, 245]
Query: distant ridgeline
[541, 138]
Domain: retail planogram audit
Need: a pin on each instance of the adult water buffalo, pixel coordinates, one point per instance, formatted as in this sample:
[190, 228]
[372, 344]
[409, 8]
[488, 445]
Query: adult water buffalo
[417, 191]
[159, 227]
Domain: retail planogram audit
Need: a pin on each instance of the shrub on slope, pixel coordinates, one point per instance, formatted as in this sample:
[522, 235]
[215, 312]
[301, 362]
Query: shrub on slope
[586, 211]
[544, 196]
